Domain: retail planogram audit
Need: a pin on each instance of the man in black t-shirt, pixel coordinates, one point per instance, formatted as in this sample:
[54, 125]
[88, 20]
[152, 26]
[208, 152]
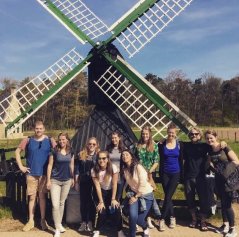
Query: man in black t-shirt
[194, 154]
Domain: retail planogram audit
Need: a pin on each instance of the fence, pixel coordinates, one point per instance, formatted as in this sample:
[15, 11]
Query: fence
[16, 197]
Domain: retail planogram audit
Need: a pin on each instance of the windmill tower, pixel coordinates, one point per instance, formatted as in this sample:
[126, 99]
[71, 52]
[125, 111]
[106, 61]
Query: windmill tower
[117, 89]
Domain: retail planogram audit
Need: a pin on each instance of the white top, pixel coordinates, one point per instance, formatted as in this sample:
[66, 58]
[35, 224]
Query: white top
[139, 182]
[105, 184]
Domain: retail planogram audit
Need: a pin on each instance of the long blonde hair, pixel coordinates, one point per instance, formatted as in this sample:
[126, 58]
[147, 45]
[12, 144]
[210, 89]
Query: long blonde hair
[150, 142]
[83, 154]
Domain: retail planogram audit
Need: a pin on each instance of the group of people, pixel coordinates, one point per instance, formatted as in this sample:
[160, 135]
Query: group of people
[118, 176]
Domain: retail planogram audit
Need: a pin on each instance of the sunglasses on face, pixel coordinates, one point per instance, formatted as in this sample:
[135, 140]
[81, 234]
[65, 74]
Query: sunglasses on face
[102, 158]
[194, 134]
[92, 144]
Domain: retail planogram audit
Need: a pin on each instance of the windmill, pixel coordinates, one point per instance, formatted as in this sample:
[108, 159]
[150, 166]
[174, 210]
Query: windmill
[118, 86]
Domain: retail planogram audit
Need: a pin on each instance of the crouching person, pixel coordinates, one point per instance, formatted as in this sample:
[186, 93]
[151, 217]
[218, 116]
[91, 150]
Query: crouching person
[105, 177]
[140, 196]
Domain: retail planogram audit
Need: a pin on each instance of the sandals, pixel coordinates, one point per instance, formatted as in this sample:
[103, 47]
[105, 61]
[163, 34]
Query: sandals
[193, 224]
[204, 226]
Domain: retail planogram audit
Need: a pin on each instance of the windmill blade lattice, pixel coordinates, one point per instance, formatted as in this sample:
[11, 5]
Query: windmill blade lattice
[136, 104]
[149, 24]
[40, 89]
[74, 13]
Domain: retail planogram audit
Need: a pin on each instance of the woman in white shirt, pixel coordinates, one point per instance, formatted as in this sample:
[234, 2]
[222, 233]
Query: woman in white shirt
[105, 177]
[140, 196]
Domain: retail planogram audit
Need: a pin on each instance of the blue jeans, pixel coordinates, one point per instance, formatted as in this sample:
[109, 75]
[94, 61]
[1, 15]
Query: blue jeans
[138, 217]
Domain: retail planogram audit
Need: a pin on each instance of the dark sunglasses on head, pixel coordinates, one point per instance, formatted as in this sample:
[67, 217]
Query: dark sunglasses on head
[194, 133]
[102, 158]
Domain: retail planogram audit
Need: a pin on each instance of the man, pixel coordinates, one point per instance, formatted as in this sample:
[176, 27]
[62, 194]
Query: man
[194, 154]
[37, 149]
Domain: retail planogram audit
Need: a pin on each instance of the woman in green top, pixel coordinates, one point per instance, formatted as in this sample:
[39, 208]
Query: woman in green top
[148, 155]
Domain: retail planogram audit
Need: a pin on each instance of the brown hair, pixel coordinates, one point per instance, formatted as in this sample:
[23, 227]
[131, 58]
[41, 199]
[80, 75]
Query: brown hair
[150, 143]
[110, 146]
[68, 145]
[109, 169]
[83, 154]
[38, 122]
[210, 132]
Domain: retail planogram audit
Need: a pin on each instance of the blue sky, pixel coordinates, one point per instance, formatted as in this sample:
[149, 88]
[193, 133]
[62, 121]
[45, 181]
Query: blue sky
[203, 39]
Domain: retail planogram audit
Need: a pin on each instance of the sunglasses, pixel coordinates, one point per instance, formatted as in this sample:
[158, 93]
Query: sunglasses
[92, 144]
[40, 144]
[194, 134]
[102, 158]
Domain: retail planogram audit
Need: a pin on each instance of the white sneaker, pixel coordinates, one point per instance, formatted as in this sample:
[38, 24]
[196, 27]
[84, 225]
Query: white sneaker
[213, 209]
[172, 222]
[137, 228]
[89, 226]
[96, 233]
[57, 233]
[82, 227]
[224, 229]
[149, 223]
[162, 225]
[231, 233]
[62, 229]
[146, 233]
[121, 233]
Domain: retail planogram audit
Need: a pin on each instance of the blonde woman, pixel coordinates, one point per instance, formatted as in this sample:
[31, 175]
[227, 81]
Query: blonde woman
[219, 157]
[83, 182]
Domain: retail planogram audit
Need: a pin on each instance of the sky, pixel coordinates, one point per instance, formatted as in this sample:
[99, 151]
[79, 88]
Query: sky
[202, 39]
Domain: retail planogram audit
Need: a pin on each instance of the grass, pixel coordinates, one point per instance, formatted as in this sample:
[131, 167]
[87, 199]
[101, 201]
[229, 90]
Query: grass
[12, 143]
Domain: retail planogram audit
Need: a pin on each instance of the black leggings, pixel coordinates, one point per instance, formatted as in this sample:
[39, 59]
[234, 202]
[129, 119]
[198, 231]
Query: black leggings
[226, 201]
[170, 183]
[198, 185]
[113, 214]
[87, 206]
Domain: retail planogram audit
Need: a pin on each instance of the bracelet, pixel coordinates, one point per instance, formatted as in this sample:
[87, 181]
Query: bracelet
[101, 202]
[112, 199]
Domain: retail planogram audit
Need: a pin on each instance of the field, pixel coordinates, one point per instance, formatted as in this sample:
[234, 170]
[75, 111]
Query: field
[230, 135]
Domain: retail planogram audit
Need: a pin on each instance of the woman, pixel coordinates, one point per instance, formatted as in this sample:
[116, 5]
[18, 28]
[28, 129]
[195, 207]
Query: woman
[85, 161]
[140, 196]
[170, 172]
[105, 177]
[60, 173]
[218, 159]
[148, 155]
[115, 148]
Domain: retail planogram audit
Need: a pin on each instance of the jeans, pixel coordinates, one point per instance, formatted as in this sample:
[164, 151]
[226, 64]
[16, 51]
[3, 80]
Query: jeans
[170, 183]
[59, 192]
[138, 217]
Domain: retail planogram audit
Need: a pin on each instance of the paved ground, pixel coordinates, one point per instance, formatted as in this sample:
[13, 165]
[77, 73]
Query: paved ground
[179, 231]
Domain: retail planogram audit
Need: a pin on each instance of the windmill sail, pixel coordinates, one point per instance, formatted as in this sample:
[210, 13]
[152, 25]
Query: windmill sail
[141, 102]
[77, 18]
[40, 89]
[144, 21]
